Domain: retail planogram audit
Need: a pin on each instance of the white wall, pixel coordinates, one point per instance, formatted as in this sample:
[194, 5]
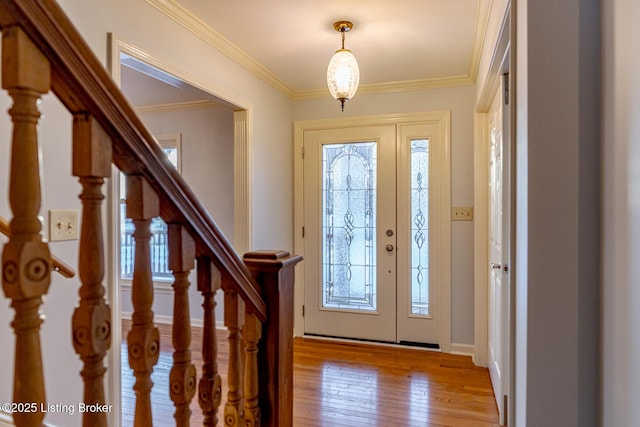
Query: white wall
[272, 172]
[461, 103]
[621, 210]
[60, 191]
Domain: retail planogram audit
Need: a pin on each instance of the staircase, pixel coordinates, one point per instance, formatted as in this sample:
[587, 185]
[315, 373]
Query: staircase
[42, 52]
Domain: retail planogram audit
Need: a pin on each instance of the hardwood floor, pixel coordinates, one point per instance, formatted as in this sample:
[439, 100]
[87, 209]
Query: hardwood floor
[342, 384]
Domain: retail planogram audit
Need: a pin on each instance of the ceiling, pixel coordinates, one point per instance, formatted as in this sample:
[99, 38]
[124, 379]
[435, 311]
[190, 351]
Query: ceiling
[403, 45]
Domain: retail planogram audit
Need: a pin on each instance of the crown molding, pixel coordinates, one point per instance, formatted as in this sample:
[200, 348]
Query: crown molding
[389, 87]
[198, 27]
[482, 23]
[192, 23]
[174, 106]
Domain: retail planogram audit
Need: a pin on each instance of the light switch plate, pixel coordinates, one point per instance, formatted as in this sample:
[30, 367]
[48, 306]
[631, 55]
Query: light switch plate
[462, 213]
[63, 225]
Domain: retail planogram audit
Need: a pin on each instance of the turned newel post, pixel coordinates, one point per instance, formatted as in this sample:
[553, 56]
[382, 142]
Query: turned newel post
[143, 340]
[182, 378]
[274, 272]
[92, 319]
[26, 268]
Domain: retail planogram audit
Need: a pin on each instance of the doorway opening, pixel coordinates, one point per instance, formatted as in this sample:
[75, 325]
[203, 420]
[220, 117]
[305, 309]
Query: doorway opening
[197, 128]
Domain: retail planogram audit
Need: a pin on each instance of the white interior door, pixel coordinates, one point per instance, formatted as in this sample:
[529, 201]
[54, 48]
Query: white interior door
[499, 251]
[371, 247]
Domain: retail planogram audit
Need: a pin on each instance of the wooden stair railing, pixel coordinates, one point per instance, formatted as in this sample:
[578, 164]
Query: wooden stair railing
[42, 51]
[57, 264]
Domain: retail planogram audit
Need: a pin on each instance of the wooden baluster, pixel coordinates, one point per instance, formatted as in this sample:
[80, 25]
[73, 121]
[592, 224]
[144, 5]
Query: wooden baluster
[274, 272]
[182, 379]
[234, 320]
[92, 319]
[57, 264]
[252, 334]
[143, 340]
[210, 385]
[25, 259]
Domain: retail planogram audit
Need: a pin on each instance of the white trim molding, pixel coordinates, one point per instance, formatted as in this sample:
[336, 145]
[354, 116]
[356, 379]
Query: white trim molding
[117, 47]
[5, 420]
[489, 85]
[464, 350]
[197, 26]
[168, 320]
[481, 238]
[177, 106]
[242, 182]
[389, 87]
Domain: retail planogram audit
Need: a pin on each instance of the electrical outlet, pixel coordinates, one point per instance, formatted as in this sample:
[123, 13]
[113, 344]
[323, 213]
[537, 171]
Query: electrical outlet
[63, 225]
[462, 213]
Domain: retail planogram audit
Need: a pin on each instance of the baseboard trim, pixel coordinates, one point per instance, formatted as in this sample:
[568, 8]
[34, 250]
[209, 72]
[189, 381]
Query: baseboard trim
[168, 320]
[5, 420]
[464, 350]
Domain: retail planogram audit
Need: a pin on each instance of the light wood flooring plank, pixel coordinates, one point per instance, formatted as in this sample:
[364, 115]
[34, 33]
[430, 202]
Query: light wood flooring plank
[340, 384]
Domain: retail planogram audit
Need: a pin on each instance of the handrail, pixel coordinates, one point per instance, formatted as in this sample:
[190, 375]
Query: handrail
[56, 263]
[83, 85]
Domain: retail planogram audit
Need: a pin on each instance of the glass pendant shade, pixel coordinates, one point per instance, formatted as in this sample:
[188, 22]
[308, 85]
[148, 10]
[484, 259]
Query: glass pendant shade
[343, 76]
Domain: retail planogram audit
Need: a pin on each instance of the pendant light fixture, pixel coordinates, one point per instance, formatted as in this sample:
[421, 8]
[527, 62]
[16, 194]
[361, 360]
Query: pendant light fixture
[343, 74]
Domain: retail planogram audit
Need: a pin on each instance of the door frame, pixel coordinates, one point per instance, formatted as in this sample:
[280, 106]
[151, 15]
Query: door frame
[481, 192]
[441, 118]
[503, 55]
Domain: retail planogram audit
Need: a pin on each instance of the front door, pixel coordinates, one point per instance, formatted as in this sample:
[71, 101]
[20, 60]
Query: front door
[370, 266]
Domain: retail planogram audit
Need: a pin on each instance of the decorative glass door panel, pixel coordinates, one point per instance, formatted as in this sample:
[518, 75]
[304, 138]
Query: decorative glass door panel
[420, 227]
[349, 226]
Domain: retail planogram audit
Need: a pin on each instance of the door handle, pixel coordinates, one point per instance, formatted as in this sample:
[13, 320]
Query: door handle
[389, 248]
[493, 265]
